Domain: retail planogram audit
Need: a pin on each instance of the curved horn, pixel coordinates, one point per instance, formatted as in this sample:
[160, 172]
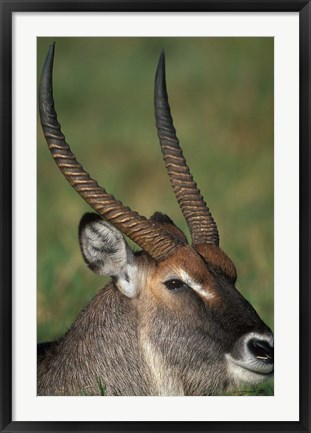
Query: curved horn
[198, 216]
[142, 231]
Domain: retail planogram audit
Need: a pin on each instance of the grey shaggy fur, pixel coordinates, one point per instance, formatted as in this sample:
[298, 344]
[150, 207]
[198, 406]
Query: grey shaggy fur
[87, 357]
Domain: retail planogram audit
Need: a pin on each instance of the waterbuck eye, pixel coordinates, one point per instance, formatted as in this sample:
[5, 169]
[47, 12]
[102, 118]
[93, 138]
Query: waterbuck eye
[175, 284]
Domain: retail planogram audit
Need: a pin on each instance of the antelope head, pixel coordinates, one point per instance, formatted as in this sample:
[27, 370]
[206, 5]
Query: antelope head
[192, 323]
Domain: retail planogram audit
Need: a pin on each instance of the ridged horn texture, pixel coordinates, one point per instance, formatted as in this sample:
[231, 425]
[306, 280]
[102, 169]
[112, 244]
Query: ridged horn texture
[201, 224]
[152, 238]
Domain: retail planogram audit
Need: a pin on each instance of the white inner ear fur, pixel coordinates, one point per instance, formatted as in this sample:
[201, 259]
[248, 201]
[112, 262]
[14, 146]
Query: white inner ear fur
[128, 284]
[106, 252]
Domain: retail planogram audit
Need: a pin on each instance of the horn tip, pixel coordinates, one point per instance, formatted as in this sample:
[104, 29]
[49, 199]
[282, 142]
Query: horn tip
[161, 64]
[45, 87]
[48, 64]
[51, 49]
[160, 82]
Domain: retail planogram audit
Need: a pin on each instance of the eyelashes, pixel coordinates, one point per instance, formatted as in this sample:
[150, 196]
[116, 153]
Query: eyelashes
[175, 285]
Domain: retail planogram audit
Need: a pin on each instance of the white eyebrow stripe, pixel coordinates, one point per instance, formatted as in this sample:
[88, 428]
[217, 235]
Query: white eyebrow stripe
[195, 286]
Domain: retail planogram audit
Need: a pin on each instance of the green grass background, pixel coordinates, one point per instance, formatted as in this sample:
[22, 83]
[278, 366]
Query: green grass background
[221, 95]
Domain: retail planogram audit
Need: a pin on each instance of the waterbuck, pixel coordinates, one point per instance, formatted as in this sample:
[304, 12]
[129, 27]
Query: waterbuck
[171, 321]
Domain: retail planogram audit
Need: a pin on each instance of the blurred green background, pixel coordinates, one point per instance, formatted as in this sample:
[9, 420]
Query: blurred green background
[221, 95]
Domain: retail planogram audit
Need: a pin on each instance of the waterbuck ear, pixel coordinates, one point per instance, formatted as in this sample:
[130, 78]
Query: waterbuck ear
[106, 253]
[168, 225]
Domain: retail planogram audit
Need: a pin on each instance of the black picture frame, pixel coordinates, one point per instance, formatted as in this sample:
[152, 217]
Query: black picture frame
[7, 9]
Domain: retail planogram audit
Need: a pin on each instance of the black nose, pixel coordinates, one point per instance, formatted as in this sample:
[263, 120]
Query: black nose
[261, 349]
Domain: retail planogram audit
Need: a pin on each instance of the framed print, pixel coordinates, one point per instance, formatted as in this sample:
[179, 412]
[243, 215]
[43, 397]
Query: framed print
[169, 297]
[132, 317]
